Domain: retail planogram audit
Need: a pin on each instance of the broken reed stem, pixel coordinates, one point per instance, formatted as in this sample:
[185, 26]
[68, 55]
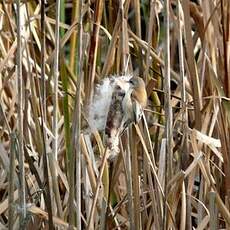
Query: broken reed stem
[168, 111]
[22, 192]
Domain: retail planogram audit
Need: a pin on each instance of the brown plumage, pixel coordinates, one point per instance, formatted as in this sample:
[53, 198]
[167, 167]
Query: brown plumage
[139, 92]
[127, 103]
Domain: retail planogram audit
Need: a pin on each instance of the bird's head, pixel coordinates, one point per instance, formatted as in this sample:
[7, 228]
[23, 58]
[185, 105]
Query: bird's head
[136, 82]
[138, 90]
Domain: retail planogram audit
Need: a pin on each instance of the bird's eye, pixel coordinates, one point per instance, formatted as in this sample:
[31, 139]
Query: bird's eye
[131, 81]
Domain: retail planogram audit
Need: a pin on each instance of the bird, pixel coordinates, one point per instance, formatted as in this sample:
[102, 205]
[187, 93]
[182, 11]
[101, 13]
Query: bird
[118, 102]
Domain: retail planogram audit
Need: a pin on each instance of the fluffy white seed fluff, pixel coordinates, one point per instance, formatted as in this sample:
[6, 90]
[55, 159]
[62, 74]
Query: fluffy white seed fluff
[99, 107]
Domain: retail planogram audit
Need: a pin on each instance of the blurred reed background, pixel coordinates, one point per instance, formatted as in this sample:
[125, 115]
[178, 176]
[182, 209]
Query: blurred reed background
[173, 171]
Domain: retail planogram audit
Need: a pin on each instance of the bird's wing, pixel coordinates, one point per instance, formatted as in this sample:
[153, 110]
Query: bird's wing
[137, 111]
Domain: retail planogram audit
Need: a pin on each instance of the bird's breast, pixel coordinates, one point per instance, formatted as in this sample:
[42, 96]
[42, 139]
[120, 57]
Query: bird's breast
[140, 96]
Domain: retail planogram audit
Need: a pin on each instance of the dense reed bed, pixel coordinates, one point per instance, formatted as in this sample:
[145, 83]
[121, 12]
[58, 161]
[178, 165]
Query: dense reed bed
[173, 170]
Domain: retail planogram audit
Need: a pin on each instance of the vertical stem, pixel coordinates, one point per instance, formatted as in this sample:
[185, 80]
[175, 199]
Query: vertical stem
[22, 195]
[76, 128]
[62, 16]
[135, 179]
[224, 23]
[71, 171]
[184, 157]
[65, 103]
[73, 38]
[99, 181]
[11, 182]
[213, 211]
[191, 64]
[168, 109]
[47, 194]
[54, 155]
[123, 33]
[150, 35]
[56, 75]
[181, 61]
[136, 4]
[129, 182]
[93, 49]
[78, 121]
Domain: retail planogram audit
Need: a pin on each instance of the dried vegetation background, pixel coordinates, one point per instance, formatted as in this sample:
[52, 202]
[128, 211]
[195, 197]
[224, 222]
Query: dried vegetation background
[173, 171]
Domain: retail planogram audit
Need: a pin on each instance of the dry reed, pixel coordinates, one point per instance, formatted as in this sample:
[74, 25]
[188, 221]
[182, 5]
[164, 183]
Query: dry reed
[173, 170]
